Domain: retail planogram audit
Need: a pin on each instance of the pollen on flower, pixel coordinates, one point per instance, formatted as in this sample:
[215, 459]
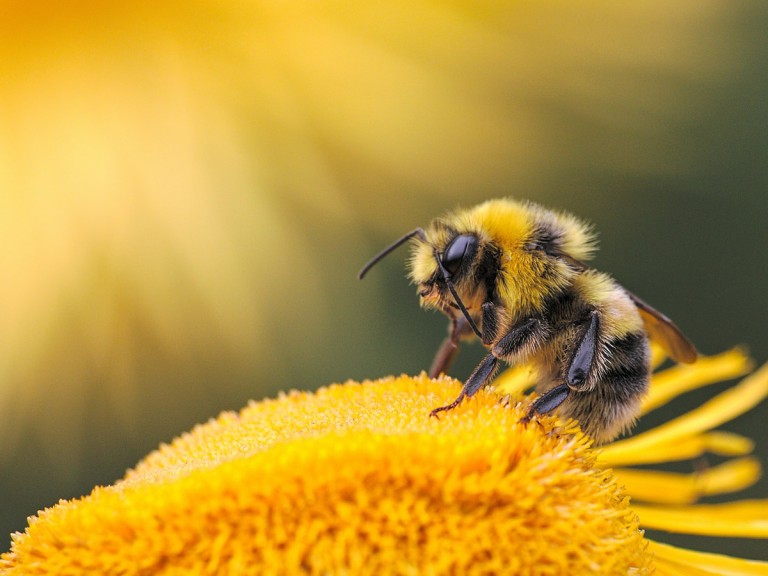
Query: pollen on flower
[354, 478]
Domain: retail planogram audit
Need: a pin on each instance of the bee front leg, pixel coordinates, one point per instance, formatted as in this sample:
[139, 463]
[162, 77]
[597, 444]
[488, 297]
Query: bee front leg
[482, 374]
[459, 328]
[486, 369]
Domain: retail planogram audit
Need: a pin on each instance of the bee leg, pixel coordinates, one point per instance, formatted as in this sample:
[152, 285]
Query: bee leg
[584, 357]
[482, 374]
[458, 328]
[490, 323]
[525, 334]
[444, 356]
[577, 374]
[547, 402]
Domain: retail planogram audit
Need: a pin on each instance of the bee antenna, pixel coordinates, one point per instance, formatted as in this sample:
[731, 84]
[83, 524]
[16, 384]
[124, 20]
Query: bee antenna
[391, 248]
[447, 278]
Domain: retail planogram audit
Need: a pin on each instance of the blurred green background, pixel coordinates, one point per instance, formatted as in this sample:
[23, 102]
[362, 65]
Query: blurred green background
[187, 190]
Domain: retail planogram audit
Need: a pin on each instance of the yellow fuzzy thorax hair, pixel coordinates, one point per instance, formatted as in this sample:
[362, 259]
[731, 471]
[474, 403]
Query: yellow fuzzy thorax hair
[510, 226]
[511, 223]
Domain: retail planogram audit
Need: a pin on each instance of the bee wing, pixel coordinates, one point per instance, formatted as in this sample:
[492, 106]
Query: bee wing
[661, 329]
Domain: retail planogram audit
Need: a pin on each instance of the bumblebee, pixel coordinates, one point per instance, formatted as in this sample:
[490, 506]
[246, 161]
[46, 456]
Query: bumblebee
[512, 274]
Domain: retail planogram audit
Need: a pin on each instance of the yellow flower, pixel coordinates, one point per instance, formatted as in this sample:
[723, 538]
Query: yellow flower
[356, 479]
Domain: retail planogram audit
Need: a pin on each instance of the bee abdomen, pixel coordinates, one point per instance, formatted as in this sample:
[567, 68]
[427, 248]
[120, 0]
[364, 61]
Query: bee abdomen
[613, 404]
[627, 362]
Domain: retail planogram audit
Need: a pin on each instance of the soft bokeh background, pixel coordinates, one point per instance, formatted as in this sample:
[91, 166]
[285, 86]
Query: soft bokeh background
[187, 190]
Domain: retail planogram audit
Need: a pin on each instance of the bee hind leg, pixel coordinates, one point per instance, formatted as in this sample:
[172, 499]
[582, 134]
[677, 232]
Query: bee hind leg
[578, 371]
[482, 374]
[547, 402]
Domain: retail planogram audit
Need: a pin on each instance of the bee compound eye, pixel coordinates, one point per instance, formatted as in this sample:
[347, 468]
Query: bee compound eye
[458, 250]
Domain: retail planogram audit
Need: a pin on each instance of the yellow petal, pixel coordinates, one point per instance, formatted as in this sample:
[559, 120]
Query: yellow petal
[658, 355]
[681, 378]
[745, 519]
[672, 561]
[722, 408]
[623, 453]
[671, 488]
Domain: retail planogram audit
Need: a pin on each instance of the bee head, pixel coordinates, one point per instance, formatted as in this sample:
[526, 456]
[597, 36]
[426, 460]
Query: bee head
[451, 272]
[513, 253]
